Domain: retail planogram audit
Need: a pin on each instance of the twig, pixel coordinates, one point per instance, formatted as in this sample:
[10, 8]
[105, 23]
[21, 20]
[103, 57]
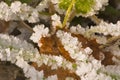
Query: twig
[27, 26]
[51, 8]
[110, 41]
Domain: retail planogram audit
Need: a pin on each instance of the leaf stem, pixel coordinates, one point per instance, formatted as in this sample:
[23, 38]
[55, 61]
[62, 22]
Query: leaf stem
[68, 13]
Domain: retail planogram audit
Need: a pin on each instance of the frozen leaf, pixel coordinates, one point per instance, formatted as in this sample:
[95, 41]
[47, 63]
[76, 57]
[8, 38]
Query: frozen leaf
[96, 50]
[60, 72]
[52, 45]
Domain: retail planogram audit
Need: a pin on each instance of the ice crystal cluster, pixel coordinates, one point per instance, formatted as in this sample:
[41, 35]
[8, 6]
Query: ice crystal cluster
[81, 61]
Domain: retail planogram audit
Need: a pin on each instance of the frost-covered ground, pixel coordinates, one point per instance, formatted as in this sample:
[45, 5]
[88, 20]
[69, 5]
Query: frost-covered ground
[60, 40]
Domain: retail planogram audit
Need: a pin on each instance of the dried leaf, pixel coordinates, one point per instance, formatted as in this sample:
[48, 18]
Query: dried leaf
[52, 45]
[96, 50]
[61, 73]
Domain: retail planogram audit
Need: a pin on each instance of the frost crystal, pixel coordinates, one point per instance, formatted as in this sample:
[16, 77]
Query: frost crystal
[39, 32]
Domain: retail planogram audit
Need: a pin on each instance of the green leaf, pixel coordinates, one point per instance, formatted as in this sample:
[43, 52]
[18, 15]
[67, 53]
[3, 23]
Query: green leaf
[64, 4]
[83, 6]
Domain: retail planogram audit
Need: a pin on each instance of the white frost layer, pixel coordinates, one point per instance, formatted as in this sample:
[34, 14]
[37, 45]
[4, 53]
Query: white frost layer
[18, 11]
[39, 32]
[20, 56]
[20, 52]
[105, 28]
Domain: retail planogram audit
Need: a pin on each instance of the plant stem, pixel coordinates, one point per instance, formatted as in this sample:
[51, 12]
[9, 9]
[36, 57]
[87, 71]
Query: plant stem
[51, 8]
[110, 42]
[68, 13]
[27, 26]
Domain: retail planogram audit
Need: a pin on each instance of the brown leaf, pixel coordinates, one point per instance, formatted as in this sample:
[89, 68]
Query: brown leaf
[49, 46]
[96, 50]
[52, 45]
[61, 73]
